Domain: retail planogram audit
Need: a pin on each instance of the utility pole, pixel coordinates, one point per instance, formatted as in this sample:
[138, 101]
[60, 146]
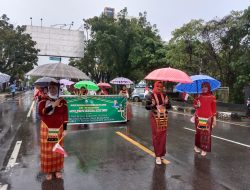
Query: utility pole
[72, 23]
[200, 69]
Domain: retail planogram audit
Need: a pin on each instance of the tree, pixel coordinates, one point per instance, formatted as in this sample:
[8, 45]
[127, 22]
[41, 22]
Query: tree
[219, 48]
[121, 47]
[17, 52]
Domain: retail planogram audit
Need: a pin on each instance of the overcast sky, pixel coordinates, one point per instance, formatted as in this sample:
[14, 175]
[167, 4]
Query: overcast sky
[166, 14]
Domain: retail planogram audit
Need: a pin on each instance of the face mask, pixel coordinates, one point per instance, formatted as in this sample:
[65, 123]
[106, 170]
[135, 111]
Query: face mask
[53, 96]
[54, 91]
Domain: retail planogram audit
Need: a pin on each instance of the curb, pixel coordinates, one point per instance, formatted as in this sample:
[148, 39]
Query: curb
[233, 116]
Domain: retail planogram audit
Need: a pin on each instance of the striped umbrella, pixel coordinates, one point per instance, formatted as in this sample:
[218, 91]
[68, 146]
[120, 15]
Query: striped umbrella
[121, 80]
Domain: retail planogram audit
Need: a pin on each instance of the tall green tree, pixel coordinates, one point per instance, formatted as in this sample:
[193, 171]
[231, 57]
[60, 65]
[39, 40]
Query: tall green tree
[128, 47]
[219, 48]
[17, 52]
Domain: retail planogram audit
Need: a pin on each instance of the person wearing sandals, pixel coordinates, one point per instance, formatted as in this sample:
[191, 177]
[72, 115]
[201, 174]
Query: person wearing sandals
[205, 119]
[158, 103]
[54, 116]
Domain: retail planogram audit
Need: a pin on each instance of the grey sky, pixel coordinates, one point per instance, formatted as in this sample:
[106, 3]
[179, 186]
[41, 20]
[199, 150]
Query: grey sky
[166, 14]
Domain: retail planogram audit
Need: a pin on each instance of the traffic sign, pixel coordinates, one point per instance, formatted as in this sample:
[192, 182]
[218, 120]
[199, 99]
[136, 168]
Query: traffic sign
[55, 59]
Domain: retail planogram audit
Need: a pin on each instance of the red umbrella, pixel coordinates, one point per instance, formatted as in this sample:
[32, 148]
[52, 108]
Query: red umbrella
[169, 74]
[104, 84]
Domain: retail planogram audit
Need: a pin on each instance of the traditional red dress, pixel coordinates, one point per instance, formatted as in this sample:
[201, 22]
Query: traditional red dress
[129, 107]
[159, 122]
[204, 120]
[50, 132]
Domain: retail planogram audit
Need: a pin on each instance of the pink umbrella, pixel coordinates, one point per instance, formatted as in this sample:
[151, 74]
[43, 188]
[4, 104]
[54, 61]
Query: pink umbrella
[169, 74]
[104, 84]
[66, 82]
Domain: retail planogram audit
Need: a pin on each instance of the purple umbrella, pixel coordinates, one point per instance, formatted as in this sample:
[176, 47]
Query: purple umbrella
[66, 82]
[121, 80]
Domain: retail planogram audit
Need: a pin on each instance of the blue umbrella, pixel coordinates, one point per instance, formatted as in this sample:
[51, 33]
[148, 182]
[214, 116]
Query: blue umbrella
[195, 86]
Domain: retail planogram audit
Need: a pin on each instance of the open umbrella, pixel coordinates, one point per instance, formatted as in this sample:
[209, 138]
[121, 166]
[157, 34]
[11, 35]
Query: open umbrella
[58, 70]
[195, 86]
[104, 85]
[4, 77]
[89, 85]
[66, 82]
[44, 81]
[169, 74]
[121, 80]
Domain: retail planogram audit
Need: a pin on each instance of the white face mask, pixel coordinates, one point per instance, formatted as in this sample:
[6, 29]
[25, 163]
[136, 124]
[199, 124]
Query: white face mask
[53, 96]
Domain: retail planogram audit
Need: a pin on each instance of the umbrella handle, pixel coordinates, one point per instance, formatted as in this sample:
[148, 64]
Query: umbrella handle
[61, 139]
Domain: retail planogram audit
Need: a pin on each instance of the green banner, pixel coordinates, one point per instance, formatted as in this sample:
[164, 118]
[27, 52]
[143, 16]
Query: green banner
[96, 109]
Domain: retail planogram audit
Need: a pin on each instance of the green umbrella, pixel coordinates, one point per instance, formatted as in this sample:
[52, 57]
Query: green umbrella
[89, 85]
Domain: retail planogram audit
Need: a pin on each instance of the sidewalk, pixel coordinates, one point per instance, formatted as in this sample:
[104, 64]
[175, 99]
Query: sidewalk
[4, 95]
[223, 112]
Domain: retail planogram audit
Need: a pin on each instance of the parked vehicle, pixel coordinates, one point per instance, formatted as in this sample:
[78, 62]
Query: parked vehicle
[138, 94]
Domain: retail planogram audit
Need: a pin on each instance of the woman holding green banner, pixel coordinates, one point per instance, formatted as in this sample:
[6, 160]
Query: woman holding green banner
[124, 92]
[205, 119]
[54, 117]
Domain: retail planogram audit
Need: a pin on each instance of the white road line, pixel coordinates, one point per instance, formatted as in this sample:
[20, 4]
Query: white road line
[246, 145]
[31, 108]
[4, 187]
[14, 155]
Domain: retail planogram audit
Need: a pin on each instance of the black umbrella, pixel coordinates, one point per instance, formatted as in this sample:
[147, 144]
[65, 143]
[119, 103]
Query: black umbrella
[44, 81]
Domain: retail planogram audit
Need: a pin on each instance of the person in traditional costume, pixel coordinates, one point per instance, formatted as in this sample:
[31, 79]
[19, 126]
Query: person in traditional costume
[205, 119]
[54, 116]
[158, 103]
[102, 91]
[124, 92]
[83, 91]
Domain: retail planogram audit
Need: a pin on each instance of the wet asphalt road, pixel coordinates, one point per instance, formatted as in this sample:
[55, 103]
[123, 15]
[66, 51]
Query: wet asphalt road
[101, 159]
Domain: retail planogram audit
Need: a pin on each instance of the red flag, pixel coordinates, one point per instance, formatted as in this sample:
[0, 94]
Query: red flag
[184, 96]
[59, 149]
[146, 91]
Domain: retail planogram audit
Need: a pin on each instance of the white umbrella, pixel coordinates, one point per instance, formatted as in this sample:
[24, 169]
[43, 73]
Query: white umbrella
[58, 70]
[4, 77]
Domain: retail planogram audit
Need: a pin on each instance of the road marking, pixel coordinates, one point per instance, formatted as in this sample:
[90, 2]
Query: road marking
[4, 187]
[140, 146]
[12, 160]
[235, 142]
[31, 108]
